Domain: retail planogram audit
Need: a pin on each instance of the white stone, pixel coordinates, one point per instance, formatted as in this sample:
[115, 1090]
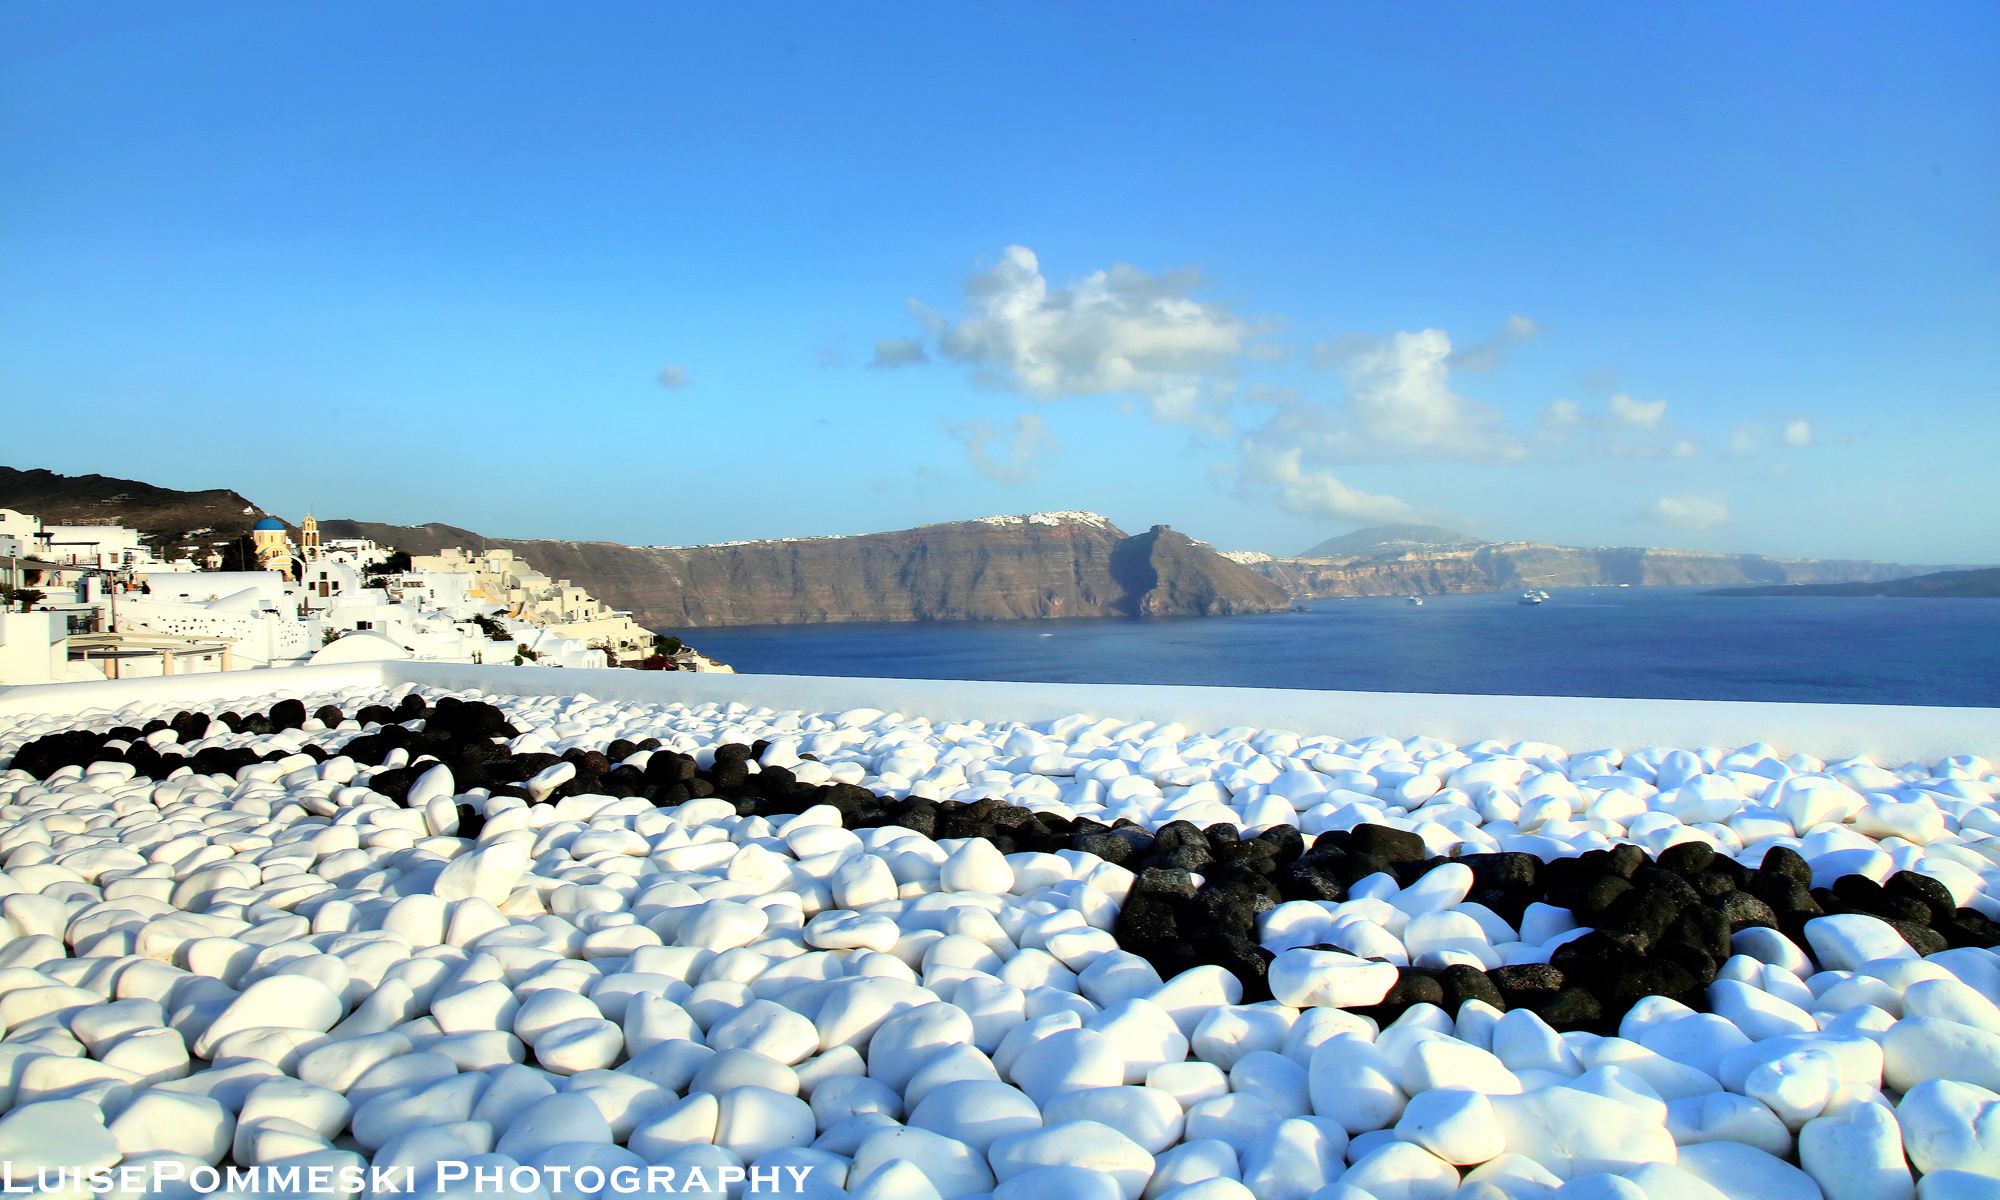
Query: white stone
[1086, 1144]
[1745, 1173]
[1351, 1082]
[951, 1167]
[1850, 940]
[1295, 1158]
[1067, 1061]
[1455, 1124]
[1152, 1119]
[1918, 1049]
[156, 1121]
[277, 1002]
[1302, 978]
[1857, 1155]
[1951, 1126]
[1576, 1133]
[1402, 1171]
[1726, 1117]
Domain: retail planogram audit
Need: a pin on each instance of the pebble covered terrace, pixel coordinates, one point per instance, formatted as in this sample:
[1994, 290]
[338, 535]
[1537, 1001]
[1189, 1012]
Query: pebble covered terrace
[423, 940]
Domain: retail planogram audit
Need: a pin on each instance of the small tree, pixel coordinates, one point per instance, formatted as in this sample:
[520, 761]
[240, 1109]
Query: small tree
[524, 655]
[27, 598]
[662, 644]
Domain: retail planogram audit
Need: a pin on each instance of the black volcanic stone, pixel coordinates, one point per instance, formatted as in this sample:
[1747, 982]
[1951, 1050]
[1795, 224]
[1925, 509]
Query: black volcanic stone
[1922, 888]
[1414, 985]
[1462, 982]
[1165, 881]
[1188, 856]
[1389, 845]
[1238, 955]
[731, 752]
[1693, 959]
[1286, 843]
[1572, 1009]
[1687, 858]
[1922, 938]
[1308, 879]
[1527, 985]
[1626, 860]
[329, 715]
[288, 714]
[1783, 860]
[1706, 928]
[919, 814]
[1508, 872]
[1146, 920]
[1596, 898]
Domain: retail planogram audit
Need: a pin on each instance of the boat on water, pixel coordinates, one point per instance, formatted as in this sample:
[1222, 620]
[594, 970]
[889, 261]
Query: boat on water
[1416, 599]
[1532, 596]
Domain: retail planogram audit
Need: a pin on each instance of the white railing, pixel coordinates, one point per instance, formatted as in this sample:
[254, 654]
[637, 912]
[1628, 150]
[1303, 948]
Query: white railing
[1891, 734]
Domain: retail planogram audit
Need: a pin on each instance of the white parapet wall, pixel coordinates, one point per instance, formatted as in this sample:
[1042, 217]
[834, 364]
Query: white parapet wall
[1889, 733]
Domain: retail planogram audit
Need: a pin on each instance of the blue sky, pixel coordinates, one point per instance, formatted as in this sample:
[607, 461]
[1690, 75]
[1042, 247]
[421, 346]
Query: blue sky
[1712, 276]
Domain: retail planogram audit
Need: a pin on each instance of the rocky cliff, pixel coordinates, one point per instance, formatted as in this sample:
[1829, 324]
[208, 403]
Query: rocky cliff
[995, 568]
[1504, 566]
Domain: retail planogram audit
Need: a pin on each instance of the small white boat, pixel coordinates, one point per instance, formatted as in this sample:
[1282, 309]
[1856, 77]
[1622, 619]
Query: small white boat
[1416, 599]
[1531, 596]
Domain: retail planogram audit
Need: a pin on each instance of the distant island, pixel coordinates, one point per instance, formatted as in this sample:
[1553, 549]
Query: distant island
[1980, 584]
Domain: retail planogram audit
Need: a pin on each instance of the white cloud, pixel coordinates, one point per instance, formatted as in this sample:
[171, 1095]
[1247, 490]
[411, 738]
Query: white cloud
[1693, 511]
[1278, 475]
[1797, 432]
[1640, 414]
[1746, 440]
[1489, 354]
[899, 352]
[673, 378]
[1116, 331]
[1030, 443]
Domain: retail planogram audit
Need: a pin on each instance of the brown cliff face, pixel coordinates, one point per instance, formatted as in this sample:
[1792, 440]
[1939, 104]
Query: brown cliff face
[1505, 566]
[998, 568]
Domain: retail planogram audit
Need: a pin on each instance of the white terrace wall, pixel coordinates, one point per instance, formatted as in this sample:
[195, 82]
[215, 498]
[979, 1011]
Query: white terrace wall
[1891, 734]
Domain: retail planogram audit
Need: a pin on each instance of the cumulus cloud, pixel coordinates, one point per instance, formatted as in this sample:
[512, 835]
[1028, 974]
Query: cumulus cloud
[1279, 475]
[1117, 331]
[673, 378]
[1026, 443]
[1796, 432]
[1692, 511]
[1639, 414]
[1489, 354]
[899, 352]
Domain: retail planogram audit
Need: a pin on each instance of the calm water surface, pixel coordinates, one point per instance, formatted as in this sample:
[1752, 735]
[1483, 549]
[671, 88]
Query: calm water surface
[1649, 642]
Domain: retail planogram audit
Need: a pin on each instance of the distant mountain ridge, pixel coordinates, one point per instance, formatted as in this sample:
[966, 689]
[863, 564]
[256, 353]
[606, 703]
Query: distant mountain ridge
[1425, 560]
[1977, 584]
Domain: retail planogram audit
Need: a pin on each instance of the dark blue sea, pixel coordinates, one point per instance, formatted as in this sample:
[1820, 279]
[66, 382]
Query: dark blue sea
[1672, 643]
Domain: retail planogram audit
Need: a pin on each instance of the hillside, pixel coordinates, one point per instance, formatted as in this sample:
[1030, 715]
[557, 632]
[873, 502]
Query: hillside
[1979, 584]
[1388, 539]
[176, 524]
